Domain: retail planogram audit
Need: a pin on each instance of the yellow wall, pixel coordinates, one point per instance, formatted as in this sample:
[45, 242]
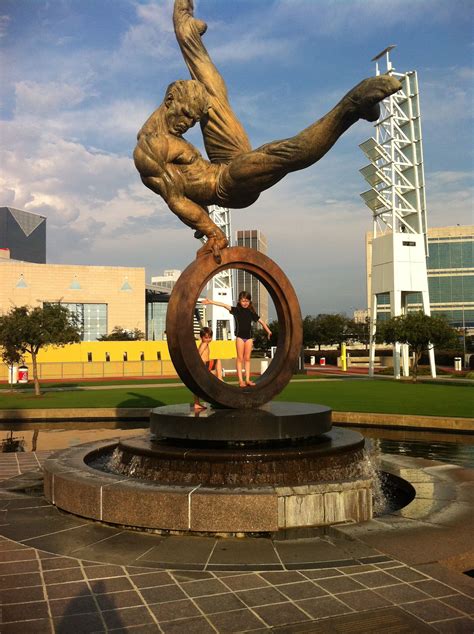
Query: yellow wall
[79, 351]
[71, 362]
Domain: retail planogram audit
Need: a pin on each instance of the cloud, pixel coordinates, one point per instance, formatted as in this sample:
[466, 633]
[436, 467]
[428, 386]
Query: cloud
[47, 97]
[446, 95]
[150, 37]
[4, 23]
[252, 46]
[74, 182]
[449, 198]
[333, 16]
[138, 225]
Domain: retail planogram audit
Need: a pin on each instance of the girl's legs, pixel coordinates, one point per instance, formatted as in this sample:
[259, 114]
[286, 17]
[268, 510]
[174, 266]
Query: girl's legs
[247, 353]
[198, 406]
[240, 346]
[218, 370]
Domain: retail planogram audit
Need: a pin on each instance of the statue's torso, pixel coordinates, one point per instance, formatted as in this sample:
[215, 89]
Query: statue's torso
[188, 169]
[199, 174]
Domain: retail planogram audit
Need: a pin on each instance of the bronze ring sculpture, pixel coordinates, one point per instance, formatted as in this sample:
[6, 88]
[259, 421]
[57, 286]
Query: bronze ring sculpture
[182, 345]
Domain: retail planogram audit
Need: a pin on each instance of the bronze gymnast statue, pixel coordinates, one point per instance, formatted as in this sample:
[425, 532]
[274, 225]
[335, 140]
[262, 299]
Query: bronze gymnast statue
[235, 175]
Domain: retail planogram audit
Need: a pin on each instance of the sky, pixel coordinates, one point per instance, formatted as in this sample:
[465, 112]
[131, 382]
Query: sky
[80, 77]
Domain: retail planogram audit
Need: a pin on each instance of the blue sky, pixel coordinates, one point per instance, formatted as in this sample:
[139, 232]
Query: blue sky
[79, 77]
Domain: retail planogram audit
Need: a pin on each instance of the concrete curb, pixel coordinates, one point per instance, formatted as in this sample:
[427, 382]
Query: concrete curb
[368, 419]
[77, 414]
[404, 421]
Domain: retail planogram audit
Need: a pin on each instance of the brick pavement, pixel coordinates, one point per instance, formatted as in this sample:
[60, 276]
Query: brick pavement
[47, 591]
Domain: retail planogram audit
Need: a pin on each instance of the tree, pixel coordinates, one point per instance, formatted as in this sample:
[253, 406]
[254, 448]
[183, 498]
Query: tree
[310, 332]
[26, 329]
[326, 329]
[419, 331]
[360, 331]
[10, 356]
[121, 334]
[261, 341]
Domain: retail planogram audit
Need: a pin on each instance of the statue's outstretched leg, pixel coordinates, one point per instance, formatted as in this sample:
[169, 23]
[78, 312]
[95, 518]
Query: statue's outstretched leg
[250, 174]
[310, 145]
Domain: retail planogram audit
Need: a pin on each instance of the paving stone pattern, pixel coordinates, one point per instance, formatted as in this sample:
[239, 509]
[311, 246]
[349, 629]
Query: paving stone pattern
[60, 573]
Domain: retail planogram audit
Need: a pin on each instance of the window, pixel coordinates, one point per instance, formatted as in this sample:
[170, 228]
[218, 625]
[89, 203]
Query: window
[91, 318]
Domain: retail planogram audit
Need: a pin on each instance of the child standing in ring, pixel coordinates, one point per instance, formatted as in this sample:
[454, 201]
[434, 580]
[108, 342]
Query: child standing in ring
[244, 314]
[213, 365]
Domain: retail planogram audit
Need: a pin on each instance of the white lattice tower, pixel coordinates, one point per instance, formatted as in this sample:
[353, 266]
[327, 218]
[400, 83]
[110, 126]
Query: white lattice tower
[398, 204]
[220, 287]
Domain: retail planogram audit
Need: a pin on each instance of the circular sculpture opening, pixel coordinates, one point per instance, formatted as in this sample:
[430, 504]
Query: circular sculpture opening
[182, 345]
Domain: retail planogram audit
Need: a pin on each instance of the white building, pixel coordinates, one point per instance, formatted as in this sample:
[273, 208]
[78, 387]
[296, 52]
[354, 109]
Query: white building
[165, 283]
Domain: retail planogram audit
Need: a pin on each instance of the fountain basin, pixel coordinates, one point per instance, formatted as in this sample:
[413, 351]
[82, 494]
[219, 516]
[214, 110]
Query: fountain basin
[335, 455]
[73, 484]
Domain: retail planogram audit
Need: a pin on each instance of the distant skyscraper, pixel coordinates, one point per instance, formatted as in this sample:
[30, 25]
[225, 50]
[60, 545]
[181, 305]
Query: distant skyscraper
[253, 239]
[24, 234]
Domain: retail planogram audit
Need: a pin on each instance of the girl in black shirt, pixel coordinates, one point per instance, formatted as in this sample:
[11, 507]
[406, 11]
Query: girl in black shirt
[244, 314]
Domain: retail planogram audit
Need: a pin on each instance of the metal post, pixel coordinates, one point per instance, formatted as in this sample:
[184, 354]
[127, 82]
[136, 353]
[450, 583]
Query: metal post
[343, 357]
[372, 333]
[431, 355]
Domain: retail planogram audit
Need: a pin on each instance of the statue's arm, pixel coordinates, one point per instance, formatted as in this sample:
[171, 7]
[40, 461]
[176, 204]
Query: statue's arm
[187, 210]
[171, 189]
[188, 32]
[154, 156]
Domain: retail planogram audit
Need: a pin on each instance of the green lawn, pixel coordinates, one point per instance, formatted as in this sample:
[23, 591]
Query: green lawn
[357, 396]
[127, 397]
[397, 397]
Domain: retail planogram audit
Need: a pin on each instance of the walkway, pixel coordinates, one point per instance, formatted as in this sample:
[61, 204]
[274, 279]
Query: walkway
[61, 573]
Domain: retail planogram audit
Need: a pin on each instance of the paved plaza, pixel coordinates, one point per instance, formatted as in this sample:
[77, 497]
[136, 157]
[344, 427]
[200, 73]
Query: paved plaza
[399, 573]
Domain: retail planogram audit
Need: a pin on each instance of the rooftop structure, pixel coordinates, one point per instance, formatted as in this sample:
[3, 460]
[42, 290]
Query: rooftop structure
[24, 234]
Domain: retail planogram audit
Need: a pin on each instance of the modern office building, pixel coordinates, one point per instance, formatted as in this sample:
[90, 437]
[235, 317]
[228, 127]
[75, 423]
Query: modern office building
[252, 239]
[450, 267]
[102, 297]
[23, 234]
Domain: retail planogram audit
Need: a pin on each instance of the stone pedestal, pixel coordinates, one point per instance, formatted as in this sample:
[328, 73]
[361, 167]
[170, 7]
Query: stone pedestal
[226, 476]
